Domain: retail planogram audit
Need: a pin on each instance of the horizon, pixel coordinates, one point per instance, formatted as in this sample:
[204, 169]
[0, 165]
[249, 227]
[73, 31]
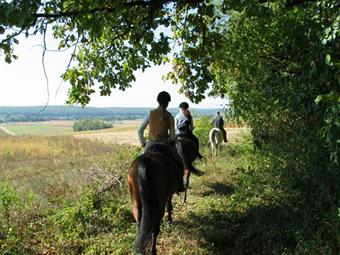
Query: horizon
[43, 106]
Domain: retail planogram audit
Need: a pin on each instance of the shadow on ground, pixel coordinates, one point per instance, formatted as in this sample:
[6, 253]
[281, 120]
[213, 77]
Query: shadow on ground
[259, 230]
[219, 188]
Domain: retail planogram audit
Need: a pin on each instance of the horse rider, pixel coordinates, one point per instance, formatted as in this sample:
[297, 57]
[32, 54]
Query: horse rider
[162, 132]
[218, 122]
[184, 125]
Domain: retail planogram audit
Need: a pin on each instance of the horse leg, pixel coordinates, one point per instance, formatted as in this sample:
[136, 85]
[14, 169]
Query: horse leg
[169, 208]
[154, 239]
[214, 150]
[186, 184]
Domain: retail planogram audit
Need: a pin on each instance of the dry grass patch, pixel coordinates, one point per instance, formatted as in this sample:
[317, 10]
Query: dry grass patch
[34, 147]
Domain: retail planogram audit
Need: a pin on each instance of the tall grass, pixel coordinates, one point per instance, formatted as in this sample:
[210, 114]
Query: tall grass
[55, 191]
[73, 199]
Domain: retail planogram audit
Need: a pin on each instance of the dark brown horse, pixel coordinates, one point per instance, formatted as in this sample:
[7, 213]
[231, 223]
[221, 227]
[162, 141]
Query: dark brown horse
[153, 179]
[188, 151]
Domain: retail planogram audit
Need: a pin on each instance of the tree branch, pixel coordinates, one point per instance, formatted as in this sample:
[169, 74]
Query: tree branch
[292, 3]
[111, 9]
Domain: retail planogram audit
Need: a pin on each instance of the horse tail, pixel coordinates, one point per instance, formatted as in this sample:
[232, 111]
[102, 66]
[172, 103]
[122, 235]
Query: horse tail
[149, 206]
[186, 162]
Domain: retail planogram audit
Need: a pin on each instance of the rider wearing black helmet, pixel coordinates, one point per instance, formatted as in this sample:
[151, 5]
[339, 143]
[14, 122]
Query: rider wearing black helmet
[163, 98]
[161, 131]
[184, 125]
[218, 122]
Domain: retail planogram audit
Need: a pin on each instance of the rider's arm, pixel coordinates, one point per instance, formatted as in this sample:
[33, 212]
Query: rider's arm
[172, 129]
[176, 122]
[141, 129]
[192, 124]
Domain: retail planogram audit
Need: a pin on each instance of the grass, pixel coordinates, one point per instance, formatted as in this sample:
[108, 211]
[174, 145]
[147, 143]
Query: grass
[2, 133]
[62, 195]
[70, 196]
[64, 127]
[40, 128]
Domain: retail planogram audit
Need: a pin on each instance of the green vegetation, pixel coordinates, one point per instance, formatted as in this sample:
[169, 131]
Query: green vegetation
[278, 64]
[68, 186]
[70, 197]
[84, 125]
[282, 85]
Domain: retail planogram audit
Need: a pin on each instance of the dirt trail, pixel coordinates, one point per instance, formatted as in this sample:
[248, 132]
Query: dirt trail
[7, 131]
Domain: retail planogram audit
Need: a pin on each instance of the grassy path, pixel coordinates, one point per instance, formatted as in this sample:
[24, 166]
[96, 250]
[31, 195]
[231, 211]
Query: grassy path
[55, 185]
[202, 226]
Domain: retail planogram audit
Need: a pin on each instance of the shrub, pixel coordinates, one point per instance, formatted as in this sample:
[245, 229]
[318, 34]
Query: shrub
[202, 128]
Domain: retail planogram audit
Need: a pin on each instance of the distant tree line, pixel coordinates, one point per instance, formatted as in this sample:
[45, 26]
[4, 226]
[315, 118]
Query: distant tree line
[83, 125]
[34, 113]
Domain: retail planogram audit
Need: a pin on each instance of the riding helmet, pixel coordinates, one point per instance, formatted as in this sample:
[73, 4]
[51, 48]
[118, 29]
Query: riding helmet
[163, 97]
[184, 105]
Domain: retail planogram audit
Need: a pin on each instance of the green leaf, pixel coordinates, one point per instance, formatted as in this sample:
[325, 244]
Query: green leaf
[328, 60]
[318, 99]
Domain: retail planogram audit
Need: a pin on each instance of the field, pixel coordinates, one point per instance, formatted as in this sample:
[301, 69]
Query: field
[40, 127]
[49, 180]
[63, 127]
[123, 132]
[68, 195]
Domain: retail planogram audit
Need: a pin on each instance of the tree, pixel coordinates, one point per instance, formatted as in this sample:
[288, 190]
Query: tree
[112, 39]
[90, 124]
[280, 68]
[277, 61]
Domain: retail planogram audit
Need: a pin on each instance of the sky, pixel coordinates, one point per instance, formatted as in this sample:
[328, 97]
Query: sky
[23, 83]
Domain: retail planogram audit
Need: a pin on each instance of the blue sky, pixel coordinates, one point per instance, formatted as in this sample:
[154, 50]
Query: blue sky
[22, 83]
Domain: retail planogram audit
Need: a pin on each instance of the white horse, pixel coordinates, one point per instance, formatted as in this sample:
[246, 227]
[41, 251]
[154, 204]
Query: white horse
[215, 139]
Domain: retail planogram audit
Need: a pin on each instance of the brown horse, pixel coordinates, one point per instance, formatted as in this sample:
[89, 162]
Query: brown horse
[188, 151]
[153, 179]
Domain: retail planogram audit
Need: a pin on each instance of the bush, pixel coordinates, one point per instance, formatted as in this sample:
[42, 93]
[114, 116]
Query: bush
[202, 128]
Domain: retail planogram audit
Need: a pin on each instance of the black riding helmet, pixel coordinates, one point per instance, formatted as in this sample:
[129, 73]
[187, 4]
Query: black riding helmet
[184, 105]
[163, 97]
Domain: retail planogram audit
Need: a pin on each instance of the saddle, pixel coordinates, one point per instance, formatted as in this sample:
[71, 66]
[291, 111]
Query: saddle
[181, 138]
[168, 150]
